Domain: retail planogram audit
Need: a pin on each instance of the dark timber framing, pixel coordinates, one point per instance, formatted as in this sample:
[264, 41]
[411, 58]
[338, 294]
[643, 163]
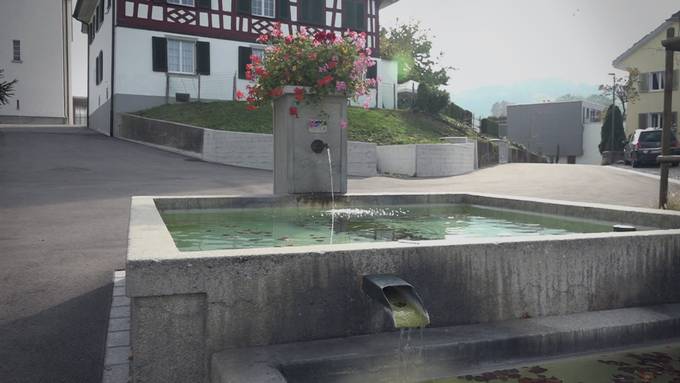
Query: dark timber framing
[243, 27]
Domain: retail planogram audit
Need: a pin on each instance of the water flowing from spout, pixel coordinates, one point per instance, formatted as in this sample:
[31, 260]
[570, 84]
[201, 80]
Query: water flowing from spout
[330, 173]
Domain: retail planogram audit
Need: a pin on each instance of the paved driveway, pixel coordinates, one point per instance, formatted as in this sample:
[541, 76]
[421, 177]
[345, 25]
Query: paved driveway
[64, 207]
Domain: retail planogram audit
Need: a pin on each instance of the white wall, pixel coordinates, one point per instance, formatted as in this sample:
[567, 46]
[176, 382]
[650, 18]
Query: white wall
[362, 159]
[439, 160]
[427, 160]
[591, 140]
[38, 24]
[397, 159]
[134, 74]
[100, 94]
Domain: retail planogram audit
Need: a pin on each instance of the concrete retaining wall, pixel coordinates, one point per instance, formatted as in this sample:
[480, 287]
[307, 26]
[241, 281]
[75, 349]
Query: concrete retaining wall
[426, 160]
[397, 159]
[362, 159]
[249, 150]
[439, 160]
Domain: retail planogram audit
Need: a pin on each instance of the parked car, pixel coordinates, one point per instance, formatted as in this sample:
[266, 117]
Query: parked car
[644, 146]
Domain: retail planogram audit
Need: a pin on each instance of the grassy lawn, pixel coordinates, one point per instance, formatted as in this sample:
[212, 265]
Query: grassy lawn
[382, 127]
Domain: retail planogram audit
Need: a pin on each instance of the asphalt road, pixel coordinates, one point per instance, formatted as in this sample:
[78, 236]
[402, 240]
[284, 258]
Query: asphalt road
[64, 209]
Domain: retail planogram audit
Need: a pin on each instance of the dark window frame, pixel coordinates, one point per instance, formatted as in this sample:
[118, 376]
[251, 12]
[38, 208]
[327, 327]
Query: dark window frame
[16, 51]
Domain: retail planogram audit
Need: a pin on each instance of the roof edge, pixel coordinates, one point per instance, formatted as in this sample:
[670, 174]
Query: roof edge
[617, 61]
[386, 3]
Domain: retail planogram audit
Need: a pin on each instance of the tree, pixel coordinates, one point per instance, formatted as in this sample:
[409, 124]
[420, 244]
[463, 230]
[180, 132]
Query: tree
[410, 46]
[606, 142]
[626, 89]
[500, 109]
[431, 100]
[6, 89]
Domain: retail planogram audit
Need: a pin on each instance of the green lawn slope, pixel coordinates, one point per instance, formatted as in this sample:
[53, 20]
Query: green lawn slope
[383, 127]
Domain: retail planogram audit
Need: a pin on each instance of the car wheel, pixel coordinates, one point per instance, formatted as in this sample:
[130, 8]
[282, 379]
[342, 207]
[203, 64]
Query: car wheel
[626, 162]
[675, 165]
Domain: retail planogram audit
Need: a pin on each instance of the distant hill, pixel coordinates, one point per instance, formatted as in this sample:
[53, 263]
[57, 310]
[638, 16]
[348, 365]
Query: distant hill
[480, 100]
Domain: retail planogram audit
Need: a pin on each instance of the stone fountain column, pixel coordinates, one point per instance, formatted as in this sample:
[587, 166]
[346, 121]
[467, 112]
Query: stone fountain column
[298, 169]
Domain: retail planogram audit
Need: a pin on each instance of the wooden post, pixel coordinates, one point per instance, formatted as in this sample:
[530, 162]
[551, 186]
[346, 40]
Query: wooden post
[667, 121]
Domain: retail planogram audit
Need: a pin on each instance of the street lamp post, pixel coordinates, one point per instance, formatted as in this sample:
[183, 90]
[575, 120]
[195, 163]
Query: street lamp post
[611, 133]
[672, 45]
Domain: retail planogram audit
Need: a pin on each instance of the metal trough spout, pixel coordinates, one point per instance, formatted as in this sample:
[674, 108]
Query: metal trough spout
[399, 298]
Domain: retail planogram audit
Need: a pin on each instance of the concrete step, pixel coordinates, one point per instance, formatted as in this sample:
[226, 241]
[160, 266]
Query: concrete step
[412, 356]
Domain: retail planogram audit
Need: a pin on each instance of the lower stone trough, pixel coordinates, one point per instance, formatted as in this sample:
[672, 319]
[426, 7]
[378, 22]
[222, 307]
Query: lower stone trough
[293, 314]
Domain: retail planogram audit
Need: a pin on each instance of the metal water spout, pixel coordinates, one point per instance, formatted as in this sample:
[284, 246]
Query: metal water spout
[318, 146]
[399, 298]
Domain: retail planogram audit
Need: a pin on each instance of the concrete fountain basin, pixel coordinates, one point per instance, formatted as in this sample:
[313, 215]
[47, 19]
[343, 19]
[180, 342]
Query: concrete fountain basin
[188, 306]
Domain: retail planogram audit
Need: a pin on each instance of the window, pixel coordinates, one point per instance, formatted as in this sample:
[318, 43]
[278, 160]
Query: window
[181, 56]
[656, 80]
[188, 3]
[99, 68]
[354, 15]
[655, 120]
[16, 50]
[312, 12]
[263, 8]
[244, 55]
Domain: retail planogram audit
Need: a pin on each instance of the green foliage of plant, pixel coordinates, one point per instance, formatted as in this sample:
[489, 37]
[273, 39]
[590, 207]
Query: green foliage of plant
[454, 111]
[489, 127]
[431, 99]
[380, 126]
[318, 65]
[411, 47]
[618, 141]
[6, 89]
[626, 89]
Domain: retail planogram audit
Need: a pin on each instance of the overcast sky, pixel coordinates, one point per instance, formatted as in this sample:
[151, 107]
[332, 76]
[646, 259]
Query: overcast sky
[521, 47]
[519, 50]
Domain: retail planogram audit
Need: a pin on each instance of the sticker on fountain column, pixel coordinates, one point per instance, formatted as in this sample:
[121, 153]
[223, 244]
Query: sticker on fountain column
[300, 143]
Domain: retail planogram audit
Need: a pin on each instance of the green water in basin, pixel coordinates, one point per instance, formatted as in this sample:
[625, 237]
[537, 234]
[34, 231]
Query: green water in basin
[194, 230]
[659, 364]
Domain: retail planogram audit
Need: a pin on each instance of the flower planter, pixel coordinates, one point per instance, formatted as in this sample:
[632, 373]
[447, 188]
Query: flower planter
[298, 168]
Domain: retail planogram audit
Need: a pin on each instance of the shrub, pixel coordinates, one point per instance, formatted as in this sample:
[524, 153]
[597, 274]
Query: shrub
[431, 100]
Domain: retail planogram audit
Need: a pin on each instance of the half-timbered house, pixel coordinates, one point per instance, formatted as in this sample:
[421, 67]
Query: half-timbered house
[144, 53]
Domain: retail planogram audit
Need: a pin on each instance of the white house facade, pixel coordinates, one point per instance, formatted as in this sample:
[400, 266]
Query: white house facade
[38, 58]
[144, 53]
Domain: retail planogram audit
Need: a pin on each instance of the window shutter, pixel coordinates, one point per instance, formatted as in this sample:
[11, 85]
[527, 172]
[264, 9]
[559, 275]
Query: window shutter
[283, 8]
[244, 7]
[96, 70]
[348, 14]
[244, 54]
[312, 11]
[203, 57]
[643, 85]
[642, 121]
[372, 72]
[205, 4]
[319, 15]
[360, 15]
[159, 54]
